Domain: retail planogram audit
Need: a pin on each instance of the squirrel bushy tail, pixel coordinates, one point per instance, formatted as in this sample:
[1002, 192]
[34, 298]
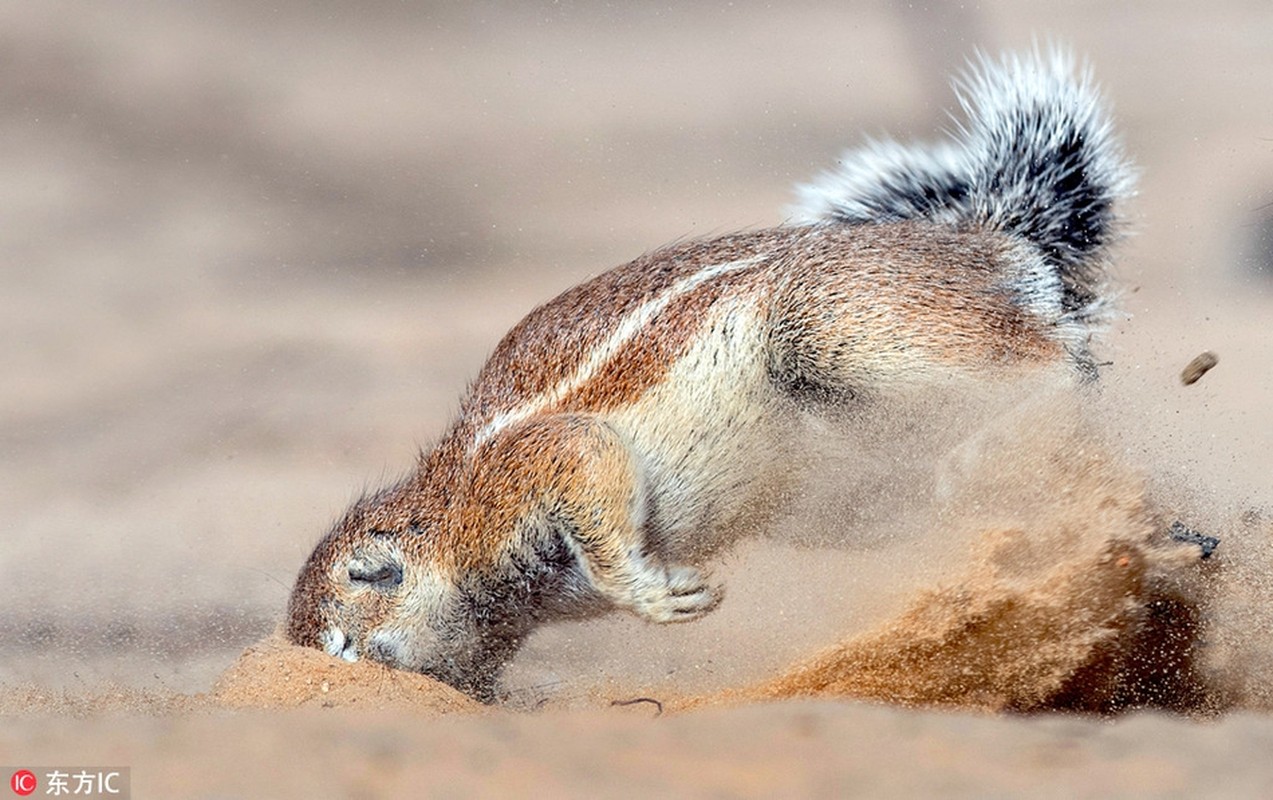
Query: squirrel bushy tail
[1036, 158]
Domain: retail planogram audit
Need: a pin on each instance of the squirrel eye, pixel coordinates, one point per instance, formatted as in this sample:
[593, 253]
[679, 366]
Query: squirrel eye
[380, 576]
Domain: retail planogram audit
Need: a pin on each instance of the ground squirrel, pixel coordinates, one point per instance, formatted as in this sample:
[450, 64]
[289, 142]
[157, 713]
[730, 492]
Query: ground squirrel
[625, 431]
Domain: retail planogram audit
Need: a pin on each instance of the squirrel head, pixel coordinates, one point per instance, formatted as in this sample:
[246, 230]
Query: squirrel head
[374, 590]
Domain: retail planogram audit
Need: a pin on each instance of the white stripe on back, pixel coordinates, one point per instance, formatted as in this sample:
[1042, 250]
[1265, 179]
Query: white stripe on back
[628, 327]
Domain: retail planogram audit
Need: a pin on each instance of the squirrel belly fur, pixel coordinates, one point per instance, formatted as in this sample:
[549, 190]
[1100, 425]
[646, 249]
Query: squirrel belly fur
[625, 431]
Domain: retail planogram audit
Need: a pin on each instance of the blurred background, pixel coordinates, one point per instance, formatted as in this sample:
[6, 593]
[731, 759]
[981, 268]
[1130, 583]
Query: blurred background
[253, 251]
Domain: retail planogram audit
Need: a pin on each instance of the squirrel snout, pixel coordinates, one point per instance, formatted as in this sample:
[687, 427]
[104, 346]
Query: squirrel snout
[338, 645]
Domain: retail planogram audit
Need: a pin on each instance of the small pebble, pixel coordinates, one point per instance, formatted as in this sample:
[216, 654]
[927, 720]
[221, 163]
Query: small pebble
[1198, 367]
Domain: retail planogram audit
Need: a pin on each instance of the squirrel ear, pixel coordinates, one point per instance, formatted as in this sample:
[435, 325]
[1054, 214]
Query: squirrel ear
[378, 571]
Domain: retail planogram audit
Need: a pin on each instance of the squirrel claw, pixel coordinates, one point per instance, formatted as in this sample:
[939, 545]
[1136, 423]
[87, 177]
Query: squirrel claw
[683, 595]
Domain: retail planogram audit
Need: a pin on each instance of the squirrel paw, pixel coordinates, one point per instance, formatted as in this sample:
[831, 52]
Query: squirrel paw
[682, 594]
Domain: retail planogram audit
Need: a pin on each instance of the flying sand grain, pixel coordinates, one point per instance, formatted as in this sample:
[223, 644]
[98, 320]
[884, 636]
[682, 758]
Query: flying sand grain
[1201, 364]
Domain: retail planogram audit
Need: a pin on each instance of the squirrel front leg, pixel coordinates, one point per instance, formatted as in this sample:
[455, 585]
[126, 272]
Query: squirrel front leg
[591, 493]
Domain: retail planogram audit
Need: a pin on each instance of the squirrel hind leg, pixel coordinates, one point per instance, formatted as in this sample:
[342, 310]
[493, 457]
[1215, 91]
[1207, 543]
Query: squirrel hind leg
[837, 337]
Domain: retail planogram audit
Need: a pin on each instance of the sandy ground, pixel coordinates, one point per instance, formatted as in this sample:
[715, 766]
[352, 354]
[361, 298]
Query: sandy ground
[254, 251]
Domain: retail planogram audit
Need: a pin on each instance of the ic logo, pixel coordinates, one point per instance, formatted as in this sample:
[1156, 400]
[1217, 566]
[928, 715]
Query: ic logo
[23, 782]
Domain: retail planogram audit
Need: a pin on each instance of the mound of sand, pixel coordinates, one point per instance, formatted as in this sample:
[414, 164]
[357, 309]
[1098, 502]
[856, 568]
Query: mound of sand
[277, 674]
[1098, 629]
[1073, 596]
[272, 674]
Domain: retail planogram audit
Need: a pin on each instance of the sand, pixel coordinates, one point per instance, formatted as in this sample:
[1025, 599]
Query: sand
[276, 674]
[256, 252]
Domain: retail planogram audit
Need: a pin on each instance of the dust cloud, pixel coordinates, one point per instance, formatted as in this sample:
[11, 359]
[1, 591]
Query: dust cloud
[983, 546]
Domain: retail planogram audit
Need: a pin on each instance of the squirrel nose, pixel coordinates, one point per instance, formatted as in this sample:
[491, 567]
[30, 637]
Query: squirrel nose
[350, 653]
[334, 641]
[337, 644]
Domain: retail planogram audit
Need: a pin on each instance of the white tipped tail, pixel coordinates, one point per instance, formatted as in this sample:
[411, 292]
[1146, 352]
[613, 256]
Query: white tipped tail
[1036, 158]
